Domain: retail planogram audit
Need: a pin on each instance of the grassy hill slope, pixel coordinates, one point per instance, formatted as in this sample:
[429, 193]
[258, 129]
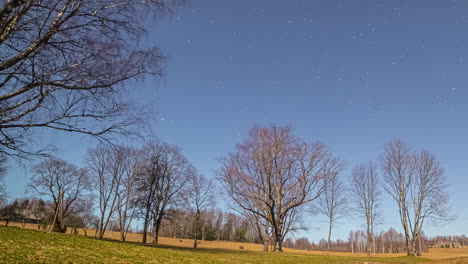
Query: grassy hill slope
[29, 246]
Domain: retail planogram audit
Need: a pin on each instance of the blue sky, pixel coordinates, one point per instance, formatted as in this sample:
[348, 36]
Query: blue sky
[350, 74]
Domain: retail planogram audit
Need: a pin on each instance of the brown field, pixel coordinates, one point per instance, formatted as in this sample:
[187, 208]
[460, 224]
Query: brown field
[439, 255]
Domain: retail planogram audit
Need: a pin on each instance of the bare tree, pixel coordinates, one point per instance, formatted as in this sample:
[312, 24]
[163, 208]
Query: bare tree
[418, 184]
[105, 168]
[199, 197]
[365, 190]
[10, 212]
[38, 209]
[333, 203]
[273, 172]
[126, 195]
[82, 217]
[163, 174]
[397, 163]
[113, 169]
[352, 240]
[429, 196]
[90, 220]
[64, 183]
[64, 64]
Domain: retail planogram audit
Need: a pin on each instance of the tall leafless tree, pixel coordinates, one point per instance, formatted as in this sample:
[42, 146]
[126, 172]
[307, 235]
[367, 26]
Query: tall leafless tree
[333, 203]
[163, 174]
[10, 212]
[417, 182]
[396, 162]
[199, 197]
[366, 193]
[273, 173]
[126, 194]
[63, 182]
[113, 170]
[429, 196]
[64, 64]
[105, 168]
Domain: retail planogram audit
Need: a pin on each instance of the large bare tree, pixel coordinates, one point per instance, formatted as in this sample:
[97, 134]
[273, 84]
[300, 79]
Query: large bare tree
[333, 204]
[64, 64]
[113, 170]
[417, 183]
[396, 162]
[429, 196]
[64, 183]
[273, 173]
[366, 193]
[126, 194]
[105, 168]
[199, 197]
[163, 174]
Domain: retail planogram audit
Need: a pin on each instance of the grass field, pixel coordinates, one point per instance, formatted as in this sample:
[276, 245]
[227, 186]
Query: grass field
[29, 246]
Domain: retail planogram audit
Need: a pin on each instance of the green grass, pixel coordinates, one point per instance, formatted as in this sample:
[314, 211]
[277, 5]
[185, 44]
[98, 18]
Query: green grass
[29, 246]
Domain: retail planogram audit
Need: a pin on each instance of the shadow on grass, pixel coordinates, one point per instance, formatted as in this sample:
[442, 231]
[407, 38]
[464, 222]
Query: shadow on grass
[189, 249]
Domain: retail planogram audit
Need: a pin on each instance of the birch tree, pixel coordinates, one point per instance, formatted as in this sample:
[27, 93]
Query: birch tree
[64, 66]
[417, 182]
[126, 194]
[365, 191]
[113, 170]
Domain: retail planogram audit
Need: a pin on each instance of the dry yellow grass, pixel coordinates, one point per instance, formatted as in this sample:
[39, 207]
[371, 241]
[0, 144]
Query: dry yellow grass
[446, 253]
[434, 253]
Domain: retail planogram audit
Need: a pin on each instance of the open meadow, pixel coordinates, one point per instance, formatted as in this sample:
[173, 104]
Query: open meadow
[31, 246]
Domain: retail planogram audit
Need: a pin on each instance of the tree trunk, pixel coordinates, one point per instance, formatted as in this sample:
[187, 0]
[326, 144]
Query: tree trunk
[330, 226]
[196, 228]
[419, 248]
[370, 241]
[265, 245]
[404, 219]
[419, 244]
[122, 235]
[278, 243]
[156, 226]
[145, 225]
[59, 203]
[264, 238]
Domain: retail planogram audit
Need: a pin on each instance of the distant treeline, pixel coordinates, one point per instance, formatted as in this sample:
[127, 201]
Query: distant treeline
[217, 225]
